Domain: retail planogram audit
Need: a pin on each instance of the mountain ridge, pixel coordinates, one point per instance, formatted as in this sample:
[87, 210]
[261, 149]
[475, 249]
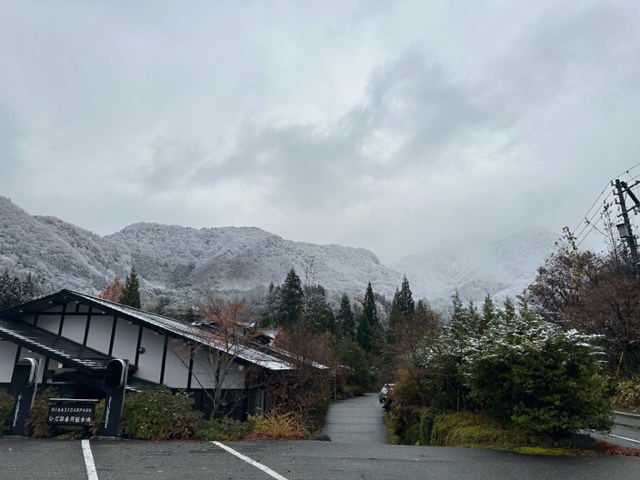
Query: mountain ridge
[180, 262]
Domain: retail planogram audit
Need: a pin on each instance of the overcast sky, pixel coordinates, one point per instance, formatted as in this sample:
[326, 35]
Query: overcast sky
[389, 125]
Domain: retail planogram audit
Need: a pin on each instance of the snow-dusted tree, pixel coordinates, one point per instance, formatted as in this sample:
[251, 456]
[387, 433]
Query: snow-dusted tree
[521, 369]
[28, 288]
[14, 291]
[317, 312]
[270, 313]
[131, 292]
[113, 291]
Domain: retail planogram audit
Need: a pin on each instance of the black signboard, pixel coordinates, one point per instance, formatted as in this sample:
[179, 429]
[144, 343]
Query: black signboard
[23, 385]
[70, 411]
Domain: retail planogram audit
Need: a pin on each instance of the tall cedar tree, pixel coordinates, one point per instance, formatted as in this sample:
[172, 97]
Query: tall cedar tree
[369, 328]
[402, 310]
[291, 301]
[364, 335]
[345, 319]
[131, 293]
[317, 312]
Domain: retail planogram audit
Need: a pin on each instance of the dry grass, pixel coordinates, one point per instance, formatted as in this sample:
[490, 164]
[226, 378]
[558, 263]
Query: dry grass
[280, 426]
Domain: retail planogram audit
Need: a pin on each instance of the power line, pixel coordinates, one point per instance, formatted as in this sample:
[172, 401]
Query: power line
[593, 227]
[594, 203]
[627, 171]
[589, 225]
[590, 221]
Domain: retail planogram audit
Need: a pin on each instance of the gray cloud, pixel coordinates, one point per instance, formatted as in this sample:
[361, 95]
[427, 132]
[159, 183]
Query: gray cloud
[11, 162]
[376, 127]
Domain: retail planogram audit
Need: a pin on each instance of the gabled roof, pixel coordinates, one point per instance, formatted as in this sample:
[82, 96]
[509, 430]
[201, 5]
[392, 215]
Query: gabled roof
[153, 321]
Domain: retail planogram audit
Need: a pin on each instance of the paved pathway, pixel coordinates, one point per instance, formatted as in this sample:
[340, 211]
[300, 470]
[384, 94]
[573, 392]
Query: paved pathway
[356, 421]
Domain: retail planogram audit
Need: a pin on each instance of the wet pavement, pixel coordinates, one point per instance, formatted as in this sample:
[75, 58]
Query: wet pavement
[357, 420]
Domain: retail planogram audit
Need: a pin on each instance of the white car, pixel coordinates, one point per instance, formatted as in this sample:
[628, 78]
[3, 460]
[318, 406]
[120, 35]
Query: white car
[384, 391]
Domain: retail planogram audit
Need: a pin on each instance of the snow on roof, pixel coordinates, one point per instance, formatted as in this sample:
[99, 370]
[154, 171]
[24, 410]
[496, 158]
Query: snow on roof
[198, 335]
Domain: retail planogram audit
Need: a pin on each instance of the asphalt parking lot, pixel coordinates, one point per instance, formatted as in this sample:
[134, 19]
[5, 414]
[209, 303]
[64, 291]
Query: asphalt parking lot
[358, 450]
[303, 460]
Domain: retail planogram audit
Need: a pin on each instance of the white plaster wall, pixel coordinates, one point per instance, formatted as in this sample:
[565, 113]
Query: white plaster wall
[203, 374]
[235, 377]
[30, 319]
[176, 373]
[49, 323]
[7, 360]
[74, 327]
[100, 333]
[150, 362]
[126, 340]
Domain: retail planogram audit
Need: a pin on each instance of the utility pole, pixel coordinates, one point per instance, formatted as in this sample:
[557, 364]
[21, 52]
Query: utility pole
[624, 229]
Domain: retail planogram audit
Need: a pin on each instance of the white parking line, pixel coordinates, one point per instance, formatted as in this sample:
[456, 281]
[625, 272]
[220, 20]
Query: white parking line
[250, 461]
[624, 438]
[88, 460]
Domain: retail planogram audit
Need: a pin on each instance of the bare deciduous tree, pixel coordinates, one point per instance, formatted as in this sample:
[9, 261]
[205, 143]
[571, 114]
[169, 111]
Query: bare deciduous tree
[220, 358]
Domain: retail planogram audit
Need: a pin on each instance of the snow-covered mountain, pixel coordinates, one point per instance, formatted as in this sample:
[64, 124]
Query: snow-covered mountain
[500, 269]
[179, 262]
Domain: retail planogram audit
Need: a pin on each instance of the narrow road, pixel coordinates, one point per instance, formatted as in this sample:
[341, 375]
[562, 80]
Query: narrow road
[626, 431]
[356, 421]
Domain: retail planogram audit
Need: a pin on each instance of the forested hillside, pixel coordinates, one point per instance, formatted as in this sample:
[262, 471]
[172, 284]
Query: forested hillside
[178, 263]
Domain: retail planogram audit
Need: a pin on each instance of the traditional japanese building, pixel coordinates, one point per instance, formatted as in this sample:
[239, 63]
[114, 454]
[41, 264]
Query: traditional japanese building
[73, 336]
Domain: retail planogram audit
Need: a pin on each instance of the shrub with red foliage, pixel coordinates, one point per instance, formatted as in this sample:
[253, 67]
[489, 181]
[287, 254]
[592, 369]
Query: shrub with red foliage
[607, 448]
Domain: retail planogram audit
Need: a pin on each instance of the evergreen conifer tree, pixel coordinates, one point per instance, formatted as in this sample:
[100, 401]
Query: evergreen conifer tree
[346, 319]
[404, 298]
[317, 312]
[369, 329]
[291, 303]
[402, 310]
[131, 293]
[489, 313]
[369, 309]
[364, 335]
[426, 318]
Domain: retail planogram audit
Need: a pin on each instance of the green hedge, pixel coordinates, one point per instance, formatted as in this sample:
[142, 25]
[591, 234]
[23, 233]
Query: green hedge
[160, 415]
[6, 408]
